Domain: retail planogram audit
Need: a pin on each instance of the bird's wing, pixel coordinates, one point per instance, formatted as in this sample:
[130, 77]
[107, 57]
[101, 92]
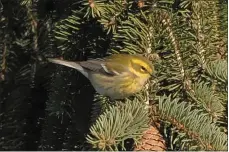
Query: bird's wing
[102, 66]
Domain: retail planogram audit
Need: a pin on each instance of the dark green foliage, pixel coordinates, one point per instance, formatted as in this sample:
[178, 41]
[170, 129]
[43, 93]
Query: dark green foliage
[50, 107]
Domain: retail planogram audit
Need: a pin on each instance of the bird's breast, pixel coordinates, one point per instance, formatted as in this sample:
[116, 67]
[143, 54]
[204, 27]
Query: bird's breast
[117, 87]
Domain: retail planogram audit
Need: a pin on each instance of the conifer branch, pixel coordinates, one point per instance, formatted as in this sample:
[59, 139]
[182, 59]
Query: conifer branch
[100, 105]
[111, 14]
[94, 8]
[33, 22]
[117, 124]
[207, 100]
[218, 39]
[215, 17]
[3, 64]
[136, 35]
[168, 27]
[218, 70]
[149, 40]
[34, 29]
[195, 124]
[66, 29]
[4, 52]
[197, 18]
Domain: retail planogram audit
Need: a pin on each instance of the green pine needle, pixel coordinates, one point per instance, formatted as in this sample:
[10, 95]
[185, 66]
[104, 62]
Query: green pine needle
[193, 122]
[118, 123]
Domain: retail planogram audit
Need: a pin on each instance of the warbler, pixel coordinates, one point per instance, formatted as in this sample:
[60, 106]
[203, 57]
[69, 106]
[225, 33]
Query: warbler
[117, 76]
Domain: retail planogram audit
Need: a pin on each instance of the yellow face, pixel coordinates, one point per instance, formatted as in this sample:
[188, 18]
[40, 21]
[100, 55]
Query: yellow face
[141, 67]
[136, 64]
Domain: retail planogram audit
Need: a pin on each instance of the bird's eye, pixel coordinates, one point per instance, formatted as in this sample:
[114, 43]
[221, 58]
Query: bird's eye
[143, 69]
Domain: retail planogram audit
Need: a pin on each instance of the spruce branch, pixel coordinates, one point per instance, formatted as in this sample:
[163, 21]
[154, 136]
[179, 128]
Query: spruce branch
[66, 28]
[4, 52]
[207, 100]
[100, 105]
[218, 70]
[111, 14]
[3, 64]
[34, 29]
[218, 39]
[33, 22]
[197, 19]
[136, 35]
[208, 40]
[168, 27]
[223, 21]
[14, 140]
[58, 105]
[215, 14]
[94, 8]
[194, 123]
[173, 70]
[118, 123]
[107, 13]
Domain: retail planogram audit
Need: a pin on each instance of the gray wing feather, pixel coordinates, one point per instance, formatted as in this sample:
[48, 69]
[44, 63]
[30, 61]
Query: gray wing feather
[97, 65]
[93, 65]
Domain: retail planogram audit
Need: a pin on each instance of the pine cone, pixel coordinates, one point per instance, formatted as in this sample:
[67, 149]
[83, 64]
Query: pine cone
[151, 140]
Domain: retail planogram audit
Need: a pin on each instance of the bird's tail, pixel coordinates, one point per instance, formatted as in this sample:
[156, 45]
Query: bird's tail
[65, 63]
[70, 64]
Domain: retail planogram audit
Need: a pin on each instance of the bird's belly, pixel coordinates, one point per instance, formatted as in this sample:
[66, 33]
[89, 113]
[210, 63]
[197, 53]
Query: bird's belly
[115, 87]
[116, 92]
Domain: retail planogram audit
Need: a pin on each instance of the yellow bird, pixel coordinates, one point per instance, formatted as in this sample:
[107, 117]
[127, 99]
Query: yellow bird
[116, 76]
